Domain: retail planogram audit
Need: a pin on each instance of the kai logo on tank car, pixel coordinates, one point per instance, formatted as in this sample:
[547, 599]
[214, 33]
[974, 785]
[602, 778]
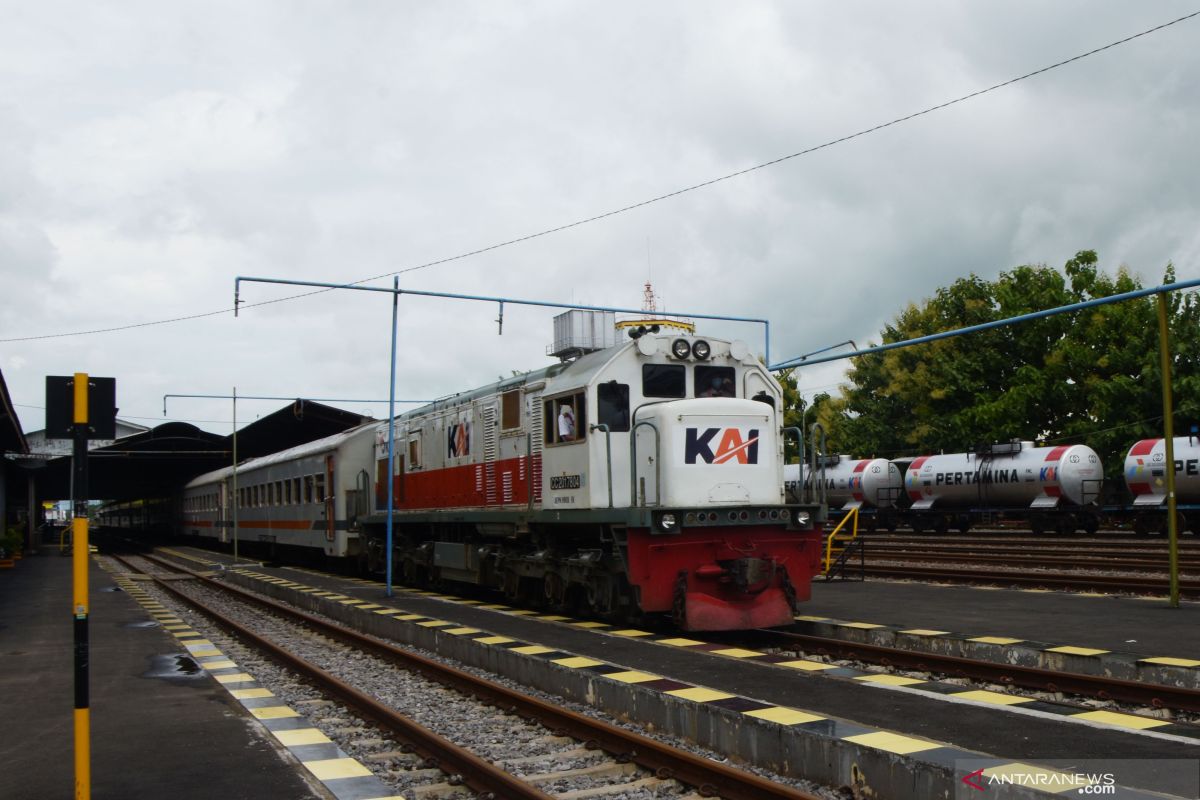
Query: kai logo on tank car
[730, 446]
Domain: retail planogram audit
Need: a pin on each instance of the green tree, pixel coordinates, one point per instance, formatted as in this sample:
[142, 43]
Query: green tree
[1090, 376]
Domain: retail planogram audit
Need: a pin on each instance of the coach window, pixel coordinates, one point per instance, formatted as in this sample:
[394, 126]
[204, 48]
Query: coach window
[414, 451]
[564, 419]
[664, 380]
[612, 405]
[278, 493]
[308, 488]
[319, 488]
[296, 491]
[510, 410]
[715, 381]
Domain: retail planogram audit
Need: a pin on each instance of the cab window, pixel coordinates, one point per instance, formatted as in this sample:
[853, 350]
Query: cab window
[664, 380]
[565, 419]
[612, 405]
[715, 382]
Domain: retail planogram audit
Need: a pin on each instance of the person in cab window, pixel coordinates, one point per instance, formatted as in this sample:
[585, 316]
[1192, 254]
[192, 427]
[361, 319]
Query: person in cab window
[714, 389]
[566, 423]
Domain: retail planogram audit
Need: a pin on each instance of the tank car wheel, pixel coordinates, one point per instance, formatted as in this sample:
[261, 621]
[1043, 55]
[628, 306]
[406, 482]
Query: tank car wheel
[1142, 526]
[1037, 525]
[1090, 524]
[963, 524]
[941, 524]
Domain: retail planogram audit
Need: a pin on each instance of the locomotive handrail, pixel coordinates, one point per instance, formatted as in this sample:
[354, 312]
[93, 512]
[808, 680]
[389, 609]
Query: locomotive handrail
[818, 493]
[800, 440]
[601, 426]
[633, 464]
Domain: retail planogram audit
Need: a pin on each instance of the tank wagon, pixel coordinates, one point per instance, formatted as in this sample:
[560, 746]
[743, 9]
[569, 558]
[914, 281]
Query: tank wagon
[643, 477]
[871, 485]
[1145, 478]
[1057, 488]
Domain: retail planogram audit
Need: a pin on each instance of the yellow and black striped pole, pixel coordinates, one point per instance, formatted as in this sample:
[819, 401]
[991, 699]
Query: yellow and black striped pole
[79, 610]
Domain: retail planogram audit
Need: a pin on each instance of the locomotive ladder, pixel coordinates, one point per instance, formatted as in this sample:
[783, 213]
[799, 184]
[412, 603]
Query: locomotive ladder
[841, 547]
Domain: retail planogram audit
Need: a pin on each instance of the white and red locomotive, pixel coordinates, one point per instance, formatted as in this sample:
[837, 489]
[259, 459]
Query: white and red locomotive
[642, 478]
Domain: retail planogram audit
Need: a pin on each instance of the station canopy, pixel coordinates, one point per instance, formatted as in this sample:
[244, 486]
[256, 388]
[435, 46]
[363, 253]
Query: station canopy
[158, 462]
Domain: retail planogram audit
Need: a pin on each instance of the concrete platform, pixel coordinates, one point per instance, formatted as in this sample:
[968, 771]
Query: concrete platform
[156, 730]
[1146, 626]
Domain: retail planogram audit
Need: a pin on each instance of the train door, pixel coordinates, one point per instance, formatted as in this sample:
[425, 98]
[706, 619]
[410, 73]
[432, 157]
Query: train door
[223, 516]
[330, 500]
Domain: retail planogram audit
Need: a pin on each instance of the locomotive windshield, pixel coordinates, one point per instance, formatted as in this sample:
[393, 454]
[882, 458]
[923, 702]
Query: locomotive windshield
[715, 382]
[664, 380]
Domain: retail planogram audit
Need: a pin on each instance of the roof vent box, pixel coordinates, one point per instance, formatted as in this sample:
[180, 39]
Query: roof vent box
[579, 331]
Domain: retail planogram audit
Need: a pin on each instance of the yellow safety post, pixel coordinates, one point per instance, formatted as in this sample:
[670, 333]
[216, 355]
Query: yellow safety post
[79, 554]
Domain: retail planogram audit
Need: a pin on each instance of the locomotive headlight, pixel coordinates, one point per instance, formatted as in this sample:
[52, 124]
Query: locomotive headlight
[667, 522]
[681, 349]
[802, 518]
[701, 350]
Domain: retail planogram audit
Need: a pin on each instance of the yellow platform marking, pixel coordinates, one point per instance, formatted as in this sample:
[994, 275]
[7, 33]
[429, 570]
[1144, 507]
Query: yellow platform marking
[178, 627]
[631, 633]
[995, 698]
[273, 712]
[250, 694]
[301, 736]
[239, 677]
[1077, 651]
[889, 680]
[892, 742]
[633, 676]
[1171, 662]
[679, 642]
[804, 618]
[578, 662]
[366, 606]
[309, 589]
[861, 625]
[995, 640]
[210, 652]
[353, 601]
[186, 634]
[784, 716]
[1035, 591]
[461, 631]
[698, 694]
[522, 612]
[496, 607]
[495, 640]
[410, 617]
[435, 623]
[803, 664]
[532, 650]
[925, 632]
[554, 618]
[199, 644]
[333, 768]
[384, 611]
[1052, 782]
[1121, 720]
[221, 663]
[588, 624]
[326, 594]
[737, 652]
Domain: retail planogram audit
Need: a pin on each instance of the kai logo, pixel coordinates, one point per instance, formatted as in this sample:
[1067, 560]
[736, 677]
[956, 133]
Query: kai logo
[458, 439]
[730, 446]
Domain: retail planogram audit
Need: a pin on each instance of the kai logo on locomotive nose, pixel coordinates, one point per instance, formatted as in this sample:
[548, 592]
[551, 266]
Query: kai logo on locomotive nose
[730, 446]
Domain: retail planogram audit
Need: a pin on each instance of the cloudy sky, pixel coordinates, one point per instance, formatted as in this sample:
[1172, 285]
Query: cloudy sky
[151, 152]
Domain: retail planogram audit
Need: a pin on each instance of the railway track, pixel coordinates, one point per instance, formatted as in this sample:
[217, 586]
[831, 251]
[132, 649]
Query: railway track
[1189, 589]
[612, 761]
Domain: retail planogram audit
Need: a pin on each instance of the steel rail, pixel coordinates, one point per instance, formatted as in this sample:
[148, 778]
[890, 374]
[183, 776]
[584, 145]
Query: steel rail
[1125, 691]
[1001, 559]
[478, 774]
[665, 761]
[1054, 580]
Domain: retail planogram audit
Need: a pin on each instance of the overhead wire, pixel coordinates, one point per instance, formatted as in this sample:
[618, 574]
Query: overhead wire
[637, 205]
